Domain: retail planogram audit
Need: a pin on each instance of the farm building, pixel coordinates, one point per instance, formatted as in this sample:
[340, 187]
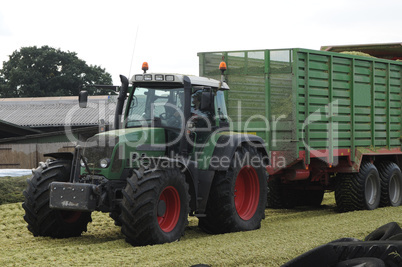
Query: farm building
[31, 127]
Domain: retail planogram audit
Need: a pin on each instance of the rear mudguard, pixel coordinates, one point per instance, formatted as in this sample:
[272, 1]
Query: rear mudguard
[222, 146]
[60, 155]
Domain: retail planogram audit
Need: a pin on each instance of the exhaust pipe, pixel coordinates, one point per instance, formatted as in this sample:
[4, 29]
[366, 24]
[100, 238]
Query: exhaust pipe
[120, 101]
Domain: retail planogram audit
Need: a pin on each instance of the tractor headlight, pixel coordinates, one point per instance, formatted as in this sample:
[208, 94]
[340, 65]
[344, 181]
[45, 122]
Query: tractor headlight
[104, 163]
[158, 77]
[169, 78]
[82, 162]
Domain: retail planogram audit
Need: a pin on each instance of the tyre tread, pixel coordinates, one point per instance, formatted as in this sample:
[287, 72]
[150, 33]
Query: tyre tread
[41, 219]
[220, 215]
[139, 199]
[386, 170]
[349, 192]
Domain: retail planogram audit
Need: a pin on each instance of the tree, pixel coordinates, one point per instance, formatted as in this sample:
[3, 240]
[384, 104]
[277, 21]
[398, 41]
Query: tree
[46, 71]
[2, 83]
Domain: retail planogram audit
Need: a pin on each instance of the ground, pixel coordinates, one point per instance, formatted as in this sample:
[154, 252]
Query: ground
[284, 235]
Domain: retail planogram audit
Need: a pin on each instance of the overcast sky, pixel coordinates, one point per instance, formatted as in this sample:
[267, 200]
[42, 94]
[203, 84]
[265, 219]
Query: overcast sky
[168, 34]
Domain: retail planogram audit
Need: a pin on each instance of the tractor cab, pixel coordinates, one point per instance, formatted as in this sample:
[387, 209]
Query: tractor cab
[188, 108]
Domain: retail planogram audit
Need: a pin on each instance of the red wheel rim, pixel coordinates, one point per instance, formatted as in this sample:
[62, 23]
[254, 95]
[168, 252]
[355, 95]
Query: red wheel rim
[70, 216]
[168, 220]
[247, 193]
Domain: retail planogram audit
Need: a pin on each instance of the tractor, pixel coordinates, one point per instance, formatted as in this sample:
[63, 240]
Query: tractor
[172, 154]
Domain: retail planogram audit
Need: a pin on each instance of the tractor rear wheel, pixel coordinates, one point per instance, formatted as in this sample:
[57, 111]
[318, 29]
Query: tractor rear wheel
[391, 184]
[359, 191]
[41, 219]
[155, 206]
[238, 197]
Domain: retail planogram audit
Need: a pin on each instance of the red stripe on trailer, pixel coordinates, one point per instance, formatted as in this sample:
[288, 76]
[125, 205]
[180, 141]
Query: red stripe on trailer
[278, 164]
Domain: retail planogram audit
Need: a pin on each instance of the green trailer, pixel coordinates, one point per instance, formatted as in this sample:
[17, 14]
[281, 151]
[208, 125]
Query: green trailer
[330, 121]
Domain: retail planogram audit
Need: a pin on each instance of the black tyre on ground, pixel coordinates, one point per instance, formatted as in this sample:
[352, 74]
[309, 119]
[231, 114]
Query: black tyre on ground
[280, 196]
[115, 215]
[359, 191]
[360, 262]
[275, 196]
[41, 219]
[155, 206]
[313, 197]
[290, 197]
[391, 184]
[384, 232]
[274, 199]
[238, 197]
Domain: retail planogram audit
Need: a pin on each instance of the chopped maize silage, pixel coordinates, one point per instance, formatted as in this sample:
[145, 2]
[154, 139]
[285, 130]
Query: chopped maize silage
[356, 53]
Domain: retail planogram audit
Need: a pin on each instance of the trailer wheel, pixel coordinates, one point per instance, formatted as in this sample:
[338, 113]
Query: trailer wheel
[155, 207]
[41, 219]
[286, 197]
[274, 195]
[360, 191]
[391, 184]
[238, 197]
[313, 197]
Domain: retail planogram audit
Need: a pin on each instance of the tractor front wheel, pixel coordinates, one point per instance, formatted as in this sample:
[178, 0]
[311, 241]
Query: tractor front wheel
[41, 219]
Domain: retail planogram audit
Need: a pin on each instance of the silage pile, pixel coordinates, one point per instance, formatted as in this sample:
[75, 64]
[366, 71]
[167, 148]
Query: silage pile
[356, 53]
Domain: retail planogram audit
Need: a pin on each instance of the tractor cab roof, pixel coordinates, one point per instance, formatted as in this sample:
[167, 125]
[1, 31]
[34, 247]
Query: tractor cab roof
[176, 78]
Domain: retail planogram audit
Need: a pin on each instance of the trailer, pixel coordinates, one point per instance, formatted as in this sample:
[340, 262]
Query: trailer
[330, 121]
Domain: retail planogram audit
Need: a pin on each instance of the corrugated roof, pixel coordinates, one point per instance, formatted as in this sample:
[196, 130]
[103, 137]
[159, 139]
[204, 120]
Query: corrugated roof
[57, 111]
[11, 130]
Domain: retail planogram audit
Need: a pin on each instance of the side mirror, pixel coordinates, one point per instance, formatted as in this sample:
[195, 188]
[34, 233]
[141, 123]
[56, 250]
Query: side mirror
[207, 100]
[83, 99]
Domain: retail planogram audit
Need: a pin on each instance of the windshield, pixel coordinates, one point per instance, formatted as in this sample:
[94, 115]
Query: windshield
[156, 106]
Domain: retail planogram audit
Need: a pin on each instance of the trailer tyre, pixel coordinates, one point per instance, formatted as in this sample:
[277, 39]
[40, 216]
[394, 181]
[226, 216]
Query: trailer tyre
[360, 191]
[313, 197]
[238, 197]
[155, 207]
[41, 219]
[275, 196]
[391, 184]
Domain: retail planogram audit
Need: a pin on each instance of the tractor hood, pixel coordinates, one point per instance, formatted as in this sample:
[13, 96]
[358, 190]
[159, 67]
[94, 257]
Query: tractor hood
[135, 136]
[108, 153]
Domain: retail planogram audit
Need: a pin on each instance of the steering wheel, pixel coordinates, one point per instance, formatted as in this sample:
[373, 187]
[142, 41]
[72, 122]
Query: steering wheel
[174, 121]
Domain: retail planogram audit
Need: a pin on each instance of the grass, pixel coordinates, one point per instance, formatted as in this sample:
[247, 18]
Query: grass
[284, 234]
[11, 189]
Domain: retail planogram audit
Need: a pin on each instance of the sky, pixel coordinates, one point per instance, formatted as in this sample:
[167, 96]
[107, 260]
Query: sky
[119, 35]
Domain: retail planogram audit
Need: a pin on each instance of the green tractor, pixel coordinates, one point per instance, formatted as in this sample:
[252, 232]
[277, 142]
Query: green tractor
[171, 154]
